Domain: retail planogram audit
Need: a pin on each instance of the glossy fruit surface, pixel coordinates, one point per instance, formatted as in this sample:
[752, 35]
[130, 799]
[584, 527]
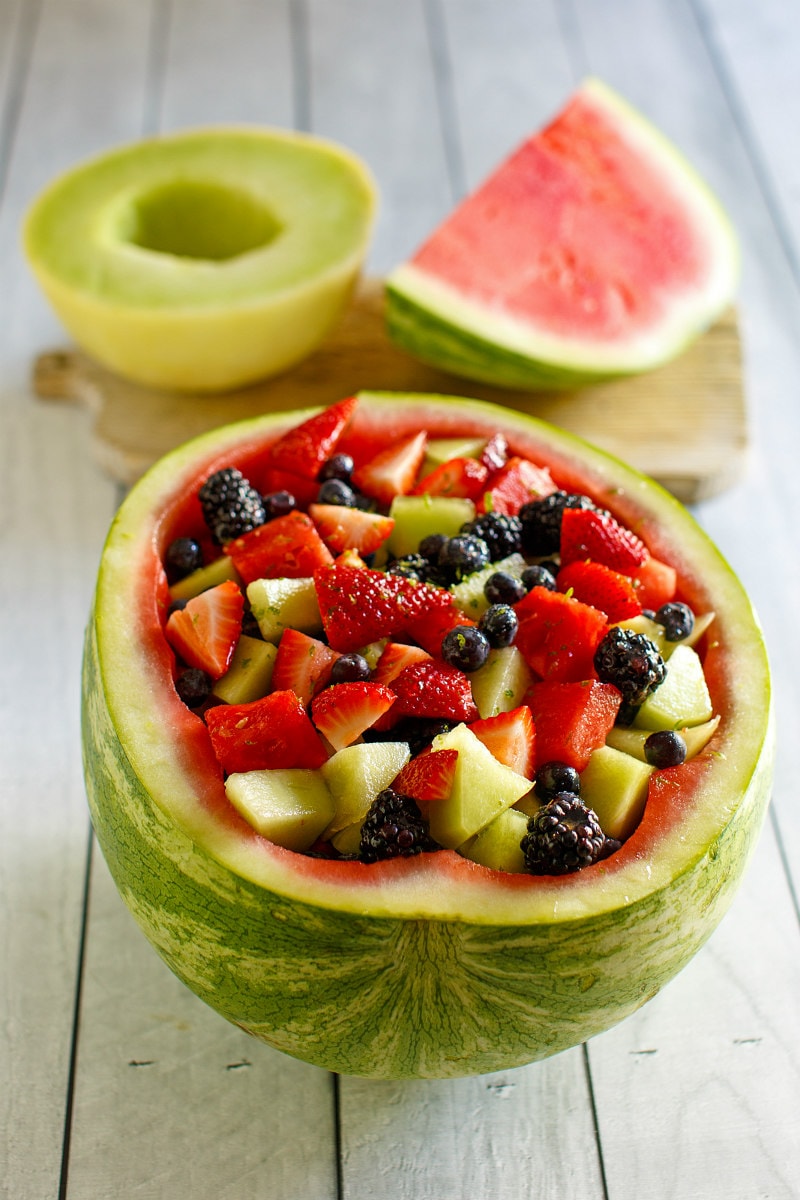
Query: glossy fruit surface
[430, 966]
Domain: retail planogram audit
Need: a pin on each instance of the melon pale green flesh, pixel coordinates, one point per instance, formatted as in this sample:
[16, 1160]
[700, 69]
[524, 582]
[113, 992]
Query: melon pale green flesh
[431, 966]
[203, 259]
[572, 226]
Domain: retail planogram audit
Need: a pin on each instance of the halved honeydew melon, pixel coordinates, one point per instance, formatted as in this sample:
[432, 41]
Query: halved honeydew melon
[206, 259]
[433, 965]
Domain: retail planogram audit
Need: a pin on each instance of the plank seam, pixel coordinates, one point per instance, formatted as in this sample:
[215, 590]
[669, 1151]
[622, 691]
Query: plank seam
[18, 71]
[595, 1120]
[301, 72]
[337, 1135]
[435, 25]
[157, 55]
[773, 816]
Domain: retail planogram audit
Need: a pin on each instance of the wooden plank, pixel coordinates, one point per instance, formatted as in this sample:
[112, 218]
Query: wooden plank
[171, 1099]
[643, 419]
[53, 525]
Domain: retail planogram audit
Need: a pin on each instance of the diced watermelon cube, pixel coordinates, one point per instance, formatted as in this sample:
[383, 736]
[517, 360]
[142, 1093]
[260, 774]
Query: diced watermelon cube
[558, 635]
[572, 719]
[287, 548]
[517, 482]
[266, 734]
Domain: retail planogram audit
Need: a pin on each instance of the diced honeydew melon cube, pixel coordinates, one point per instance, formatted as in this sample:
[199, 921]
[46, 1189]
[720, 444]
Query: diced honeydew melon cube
[683, 697]
[650, 629]
[631, 741]
[373, 652]
[529, 804]
[348, 840]
[250, 673]
[218, 571]
[700, 626]
[441, 450]
[615, 785]
[415, 517]
[482, 789]
[468, 594]
[278, 604]
[498, 844]
[501, 683]
[290, 806]
[356, 774]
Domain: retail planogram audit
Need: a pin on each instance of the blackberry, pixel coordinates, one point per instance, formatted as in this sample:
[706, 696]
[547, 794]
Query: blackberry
[350, 668]
[411, 566]
[665, 748]
[563, 836]
[338, 466]
[499, 625]
[501, 533]
[554, 777]
[539, 576]
[182, 556]
[193, 686]
[231, 506]
[336, 491]
[465, 647]
[503, 588]
[541, 521]
[278, 504]
[677, 620]
[631, 662]
[463, 555]
[417, 732]
[394, 827]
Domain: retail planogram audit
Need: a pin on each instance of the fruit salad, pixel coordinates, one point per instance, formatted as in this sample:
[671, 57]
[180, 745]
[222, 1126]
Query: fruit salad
[433, 645]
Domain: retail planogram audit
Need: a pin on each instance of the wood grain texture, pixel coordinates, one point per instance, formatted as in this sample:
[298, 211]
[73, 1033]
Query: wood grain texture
[643, 419]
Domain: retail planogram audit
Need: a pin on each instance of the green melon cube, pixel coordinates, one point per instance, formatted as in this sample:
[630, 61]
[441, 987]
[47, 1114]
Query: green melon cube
[469, 595]
[220, 570]
[501, 683]
[631, 741]
[250, 673]
[683, 697]
[441, 450]
[482, 789]
[348, 840]
[290, 806]
[650, 629]
[278, 604]
[498, 844]
[415, 517]
[615, 785]
[356, 774]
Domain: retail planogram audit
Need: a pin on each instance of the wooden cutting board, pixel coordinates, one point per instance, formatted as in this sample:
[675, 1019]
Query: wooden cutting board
[685, 424]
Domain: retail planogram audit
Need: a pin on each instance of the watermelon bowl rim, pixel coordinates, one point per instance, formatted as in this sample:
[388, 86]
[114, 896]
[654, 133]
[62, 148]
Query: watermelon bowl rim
[155, 794]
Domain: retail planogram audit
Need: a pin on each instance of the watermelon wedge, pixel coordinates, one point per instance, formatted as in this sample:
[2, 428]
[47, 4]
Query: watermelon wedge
[593, 251]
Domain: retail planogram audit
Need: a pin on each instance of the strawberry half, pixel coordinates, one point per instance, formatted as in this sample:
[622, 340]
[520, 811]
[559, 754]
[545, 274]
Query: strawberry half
[392, 472]
[462, 477]
[429, 776]
[287, 548]
[302, 664]
[305, 448]
[517, 482]
[266, 734]
[592, 583]
[432, 689]
[511, 738]
[206, 631]
[395, 658]
[341, 713]
[589, 533]
[344, 528]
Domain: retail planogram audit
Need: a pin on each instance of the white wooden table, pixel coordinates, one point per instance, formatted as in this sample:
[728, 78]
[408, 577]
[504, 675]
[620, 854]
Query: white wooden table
[114, 1081]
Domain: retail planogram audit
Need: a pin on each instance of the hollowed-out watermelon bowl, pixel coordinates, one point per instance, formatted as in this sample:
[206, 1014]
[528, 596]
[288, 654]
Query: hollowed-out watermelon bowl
[431, 964]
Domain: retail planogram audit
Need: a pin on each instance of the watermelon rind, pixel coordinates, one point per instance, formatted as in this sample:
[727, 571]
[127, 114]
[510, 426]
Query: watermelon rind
[431, 966]
[434, 321]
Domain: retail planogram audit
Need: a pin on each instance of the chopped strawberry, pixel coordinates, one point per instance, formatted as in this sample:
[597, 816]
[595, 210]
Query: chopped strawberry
[429, 776]
[359, 605]
[350, 558]
[392, 472]
[495, 453]
[462, 477]
[287, 548]
[592, 583]
[572, 719]
[302, 664]
[395, 657]
[344, 528]
[428, 627]
[307, 446]
[589, 533]
[517, 482]
[341, 713]
[267, 734]
[558, 635]
[206, 631]
[656, 583]
[433, 689]
[511, 738]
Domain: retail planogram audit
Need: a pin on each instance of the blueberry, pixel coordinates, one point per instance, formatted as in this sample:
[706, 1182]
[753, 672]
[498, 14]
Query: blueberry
[665, 749]
[554, 777]
[463, 555]
[502, 588]
[338, 466]
[677, 619]
[350, 668]
[336, 491]
[539, 576]
[278, 504]
[465, 647]
[499, 625]
[193, 686]
[183, 555]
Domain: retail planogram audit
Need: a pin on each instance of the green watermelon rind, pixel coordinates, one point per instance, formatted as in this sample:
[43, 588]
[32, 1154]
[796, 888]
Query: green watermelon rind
[434, 967]
[432, 321]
